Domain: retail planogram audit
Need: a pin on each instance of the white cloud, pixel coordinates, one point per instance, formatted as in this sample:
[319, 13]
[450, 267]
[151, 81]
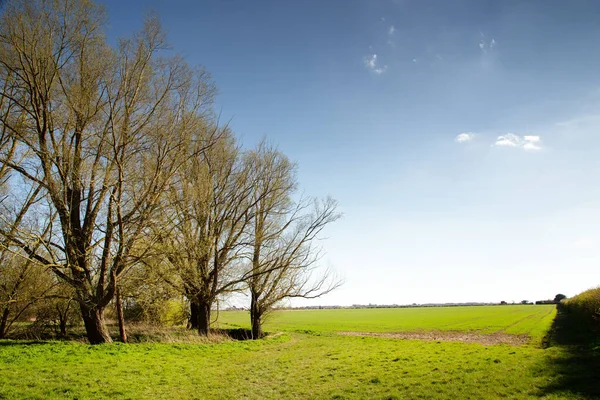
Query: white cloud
[508, 140]
[391, 30]
[527, 142]
[531, 142]
[464, 137]
[531, 146]
[371, 63]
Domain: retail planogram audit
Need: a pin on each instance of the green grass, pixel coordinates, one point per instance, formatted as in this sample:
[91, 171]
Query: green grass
[289, 366]
[319, 365]
[520, 319]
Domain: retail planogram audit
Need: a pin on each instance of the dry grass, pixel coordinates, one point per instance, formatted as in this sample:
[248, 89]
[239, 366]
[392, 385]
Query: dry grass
[136, 333]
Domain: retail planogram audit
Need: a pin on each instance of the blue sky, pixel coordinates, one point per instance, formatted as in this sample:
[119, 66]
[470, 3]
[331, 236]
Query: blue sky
[460, 138]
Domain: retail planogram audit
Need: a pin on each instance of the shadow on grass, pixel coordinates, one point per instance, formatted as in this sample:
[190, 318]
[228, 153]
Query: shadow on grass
[22, 342]
[235, 333]
[577, 364]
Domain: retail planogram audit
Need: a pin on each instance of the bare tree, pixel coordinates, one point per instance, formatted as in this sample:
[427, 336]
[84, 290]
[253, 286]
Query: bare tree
[100, 132]
[201, 235]
[283, 256]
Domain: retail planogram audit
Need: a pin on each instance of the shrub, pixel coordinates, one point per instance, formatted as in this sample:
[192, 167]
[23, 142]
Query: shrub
[585, 305]
[164, 313]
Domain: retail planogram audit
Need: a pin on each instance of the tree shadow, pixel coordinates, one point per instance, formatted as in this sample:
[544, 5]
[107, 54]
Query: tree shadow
[7, 343]
[235, 333]
[576, 364]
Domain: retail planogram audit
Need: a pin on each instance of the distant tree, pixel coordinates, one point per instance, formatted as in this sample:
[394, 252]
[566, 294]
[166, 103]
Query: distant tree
[503, 302]
[559, 297]
[524, 301]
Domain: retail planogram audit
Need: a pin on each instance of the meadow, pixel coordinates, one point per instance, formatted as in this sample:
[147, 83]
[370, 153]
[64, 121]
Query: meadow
[305, 357]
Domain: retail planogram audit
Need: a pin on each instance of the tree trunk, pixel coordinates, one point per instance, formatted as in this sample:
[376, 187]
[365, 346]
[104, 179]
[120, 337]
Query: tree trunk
[62, 326]
[63, 316]
[4, 322]
[255, 318]
[203, 318]
[122, 333]
[93, 319]
[194, 313]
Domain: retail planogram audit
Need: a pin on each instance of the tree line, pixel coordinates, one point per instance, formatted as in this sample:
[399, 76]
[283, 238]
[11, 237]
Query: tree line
[116, 172]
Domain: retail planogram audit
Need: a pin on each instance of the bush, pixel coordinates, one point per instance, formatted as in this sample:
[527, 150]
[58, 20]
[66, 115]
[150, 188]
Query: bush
[55, 315]
[164, 313]
[585, 305]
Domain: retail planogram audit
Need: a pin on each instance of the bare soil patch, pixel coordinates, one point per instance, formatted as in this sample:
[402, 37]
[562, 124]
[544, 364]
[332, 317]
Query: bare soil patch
[449, 336]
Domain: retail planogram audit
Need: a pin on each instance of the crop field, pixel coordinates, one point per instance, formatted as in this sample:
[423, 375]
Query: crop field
[305, 357]
[519, 320]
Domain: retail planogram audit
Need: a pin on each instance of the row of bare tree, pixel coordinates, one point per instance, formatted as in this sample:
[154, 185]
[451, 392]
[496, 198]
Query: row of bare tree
[112, 160]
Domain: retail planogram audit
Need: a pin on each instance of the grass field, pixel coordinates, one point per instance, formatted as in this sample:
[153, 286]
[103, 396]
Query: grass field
[317, 365]
[520, 319]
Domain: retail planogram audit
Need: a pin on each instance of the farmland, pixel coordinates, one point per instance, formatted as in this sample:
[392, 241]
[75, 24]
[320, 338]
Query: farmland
[304, 357]
[520, 320]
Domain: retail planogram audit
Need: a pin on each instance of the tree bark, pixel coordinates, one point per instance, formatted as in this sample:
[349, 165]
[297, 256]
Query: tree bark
[62, 324]
[203, 318]
[3, 322]
[122, 333]
[194, 313]
[93, 319]
[255, 318]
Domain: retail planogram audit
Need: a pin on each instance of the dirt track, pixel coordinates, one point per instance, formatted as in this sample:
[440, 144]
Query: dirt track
[449, 336]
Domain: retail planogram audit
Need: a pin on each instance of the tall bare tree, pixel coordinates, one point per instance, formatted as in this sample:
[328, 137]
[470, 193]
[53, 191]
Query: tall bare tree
[201, 236]
[283, 257]
[100, 131]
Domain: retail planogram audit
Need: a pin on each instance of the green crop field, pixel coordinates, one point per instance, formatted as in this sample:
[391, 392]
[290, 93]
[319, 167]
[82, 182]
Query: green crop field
[306, 358]
[521, 319]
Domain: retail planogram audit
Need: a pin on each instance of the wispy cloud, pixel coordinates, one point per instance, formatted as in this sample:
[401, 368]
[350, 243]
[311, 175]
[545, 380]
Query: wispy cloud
[527, 142]
[391, 30]
[531, 142]
[372, 64]
[486, 45]
[464, 137]
[371, 61]
[585, 243]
